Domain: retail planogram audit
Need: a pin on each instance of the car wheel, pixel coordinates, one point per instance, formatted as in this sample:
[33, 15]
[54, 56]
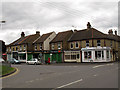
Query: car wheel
[27, 63]
[35, 63]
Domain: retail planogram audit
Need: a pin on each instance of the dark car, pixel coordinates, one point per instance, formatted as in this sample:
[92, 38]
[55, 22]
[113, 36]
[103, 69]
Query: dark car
[14, 61]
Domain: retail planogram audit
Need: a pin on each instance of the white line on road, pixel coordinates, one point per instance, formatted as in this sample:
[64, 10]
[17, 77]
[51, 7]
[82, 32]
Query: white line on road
[70, 83]
[98, 66]
[110, 64]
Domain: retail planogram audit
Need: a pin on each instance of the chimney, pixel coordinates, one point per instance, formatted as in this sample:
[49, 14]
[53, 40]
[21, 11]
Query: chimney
[115, 32]
[22, 34]
[88, 25]
[37, 32]
[110, 32]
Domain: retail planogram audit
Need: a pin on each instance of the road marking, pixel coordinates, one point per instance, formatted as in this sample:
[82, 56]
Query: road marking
[95, 75]
[110, 64]
[11, 74]
[97, 66]
[70, 83]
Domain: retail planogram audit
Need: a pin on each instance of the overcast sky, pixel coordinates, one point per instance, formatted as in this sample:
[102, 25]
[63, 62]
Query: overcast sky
[55, 16]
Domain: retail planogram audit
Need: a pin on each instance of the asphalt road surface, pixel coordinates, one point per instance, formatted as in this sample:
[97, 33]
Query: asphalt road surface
[66, 75]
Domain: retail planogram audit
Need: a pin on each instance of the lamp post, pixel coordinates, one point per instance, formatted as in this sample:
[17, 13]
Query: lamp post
[1, 22]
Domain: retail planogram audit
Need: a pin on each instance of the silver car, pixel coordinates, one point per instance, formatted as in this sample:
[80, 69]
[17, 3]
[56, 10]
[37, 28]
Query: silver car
[34, 61]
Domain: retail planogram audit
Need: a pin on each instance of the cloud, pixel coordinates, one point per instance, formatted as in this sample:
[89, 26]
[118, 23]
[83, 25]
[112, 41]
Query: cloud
[56, 16]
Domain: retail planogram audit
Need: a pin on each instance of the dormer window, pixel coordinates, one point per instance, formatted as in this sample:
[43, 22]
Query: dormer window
[71, 45]
[76, 45]
[98, 43]
[59, 45]
[87, 43]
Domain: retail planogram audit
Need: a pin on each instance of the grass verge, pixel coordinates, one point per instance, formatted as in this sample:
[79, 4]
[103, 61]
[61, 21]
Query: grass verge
[5, 70]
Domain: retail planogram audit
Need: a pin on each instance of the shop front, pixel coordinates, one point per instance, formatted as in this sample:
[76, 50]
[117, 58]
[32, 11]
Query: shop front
[55, 56]
[22, 56]
[72, 56]
[96, 54]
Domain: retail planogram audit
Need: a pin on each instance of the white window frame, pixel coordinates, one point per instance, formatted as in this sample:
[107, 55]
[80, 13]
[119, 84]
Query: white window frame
[16, 48]
[35, 47]
[52, 46]
[87, 44]
[71, 44]
[75, 44]
[20, 48]
[40, 46]
[24, 47]
[59, 45]
[98, 44]
[10, 49]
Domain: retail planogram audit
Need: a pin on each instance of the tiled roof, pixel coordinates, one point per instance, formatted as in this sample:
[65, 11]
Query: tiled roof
[24, 40]
[43, 38]
[87, 34]
[61, 36]
[92, 33]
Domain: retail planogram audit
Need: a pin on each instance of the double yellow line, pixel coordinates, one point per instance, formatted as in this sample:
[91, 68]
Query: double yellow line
[11, 74]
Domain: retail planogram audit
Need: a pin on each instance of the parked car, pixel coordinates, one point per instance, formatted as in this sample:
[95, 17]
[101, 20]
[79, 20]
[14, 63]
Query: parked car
[1, 60]
[33, 61]
[14, 61]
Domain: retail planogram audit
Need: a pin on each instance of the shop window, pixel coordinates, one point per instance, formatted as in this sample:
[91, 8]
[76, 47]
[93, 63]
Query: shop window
[102, 54]
[53, 46]
[98, 54]
[67, 57]
[107, 53]
[76, 45]
[87, 55]
[40, 46]
[78, 56]
[71, 45]
[73, 56]
[98, 43]
[59, 45]
[87, 43]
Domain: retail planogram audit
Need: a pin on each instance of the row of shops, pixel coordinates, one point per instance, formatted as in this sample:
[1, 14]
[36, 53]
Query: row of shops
[88, 54]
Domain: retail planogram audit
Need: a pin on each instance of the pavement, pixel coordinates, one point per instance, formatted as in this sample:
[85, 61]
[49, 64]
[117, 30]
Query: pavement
[66, 75]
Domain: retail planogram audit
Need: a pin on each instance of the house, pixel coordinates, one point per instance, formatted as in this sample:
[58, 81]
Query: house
[58, 45]
[91, 45]
[22, 48]
[41, 45]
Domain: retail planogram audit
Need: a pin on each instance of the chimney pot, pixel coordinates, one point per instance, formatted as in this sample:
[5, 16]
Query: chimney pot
[37, 32]
[22, 34]
[110, 31]
[88, 25]
[115, 32]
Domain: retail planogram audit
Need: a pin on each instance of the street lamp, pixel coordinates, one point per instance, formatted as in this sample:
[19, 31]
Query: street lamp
[1, 22]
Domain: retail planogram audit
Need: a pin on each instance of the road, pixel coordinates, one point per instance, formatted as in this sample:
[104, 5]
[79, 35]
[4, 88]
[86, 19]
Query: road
[66, 75]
